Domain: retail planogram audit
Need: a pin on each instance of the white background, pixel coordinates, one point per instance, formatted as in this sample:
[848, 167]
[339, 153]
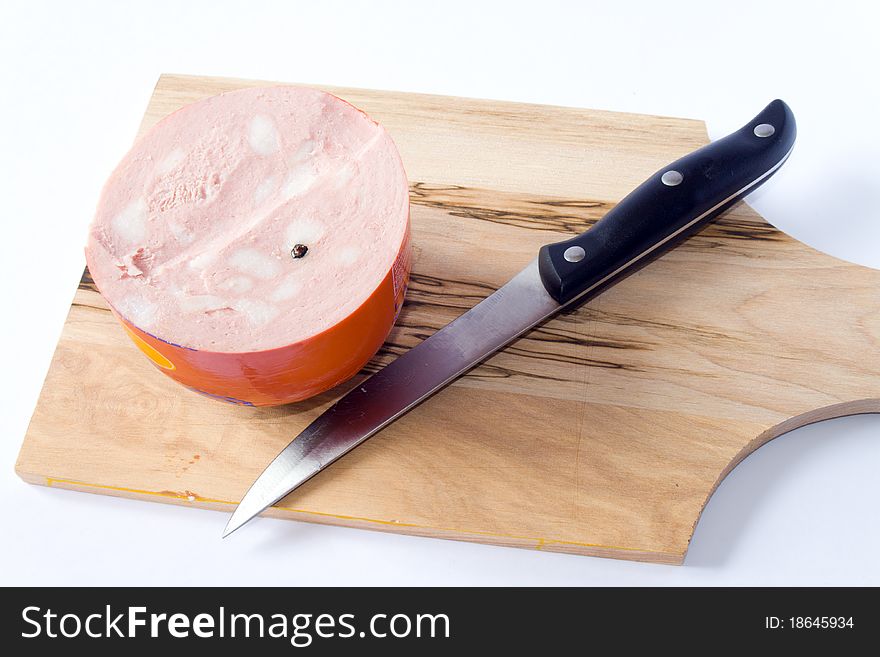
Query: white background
[75, 78]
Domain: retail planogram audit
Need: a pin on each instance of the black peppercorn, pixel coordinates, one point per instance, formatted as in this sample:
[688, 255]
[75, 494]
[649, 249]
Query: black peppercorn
[299, 250]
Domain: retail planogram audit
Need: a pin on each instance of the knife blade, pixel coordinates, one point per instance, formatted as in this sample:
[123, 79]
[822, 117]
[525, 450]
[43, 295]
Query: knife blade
[670, 205]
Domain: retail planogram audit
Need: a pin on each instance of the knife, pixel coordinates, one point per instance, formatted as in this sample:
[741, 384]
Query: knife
[672, 204]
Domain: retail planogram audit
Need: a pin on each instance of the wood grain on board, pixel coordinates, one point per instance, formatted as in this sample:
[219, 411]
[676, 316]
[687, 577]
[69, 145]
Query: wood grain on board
[603, 432]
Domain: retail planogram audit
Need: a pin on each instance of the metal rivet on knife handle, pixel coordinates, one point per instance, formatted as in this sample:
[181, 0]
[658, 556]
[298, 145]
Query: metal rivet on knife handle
[574, 254]
[671, 178]
[764, 130]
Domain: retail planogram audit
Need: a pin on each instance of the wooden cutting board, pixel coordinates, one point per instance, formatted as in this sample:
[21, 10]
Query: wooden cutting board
[604, 432]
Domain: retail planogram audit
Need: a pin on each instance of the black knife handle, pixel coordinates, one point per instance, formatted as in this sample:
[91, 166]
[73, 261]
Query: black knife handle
[671, 204]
